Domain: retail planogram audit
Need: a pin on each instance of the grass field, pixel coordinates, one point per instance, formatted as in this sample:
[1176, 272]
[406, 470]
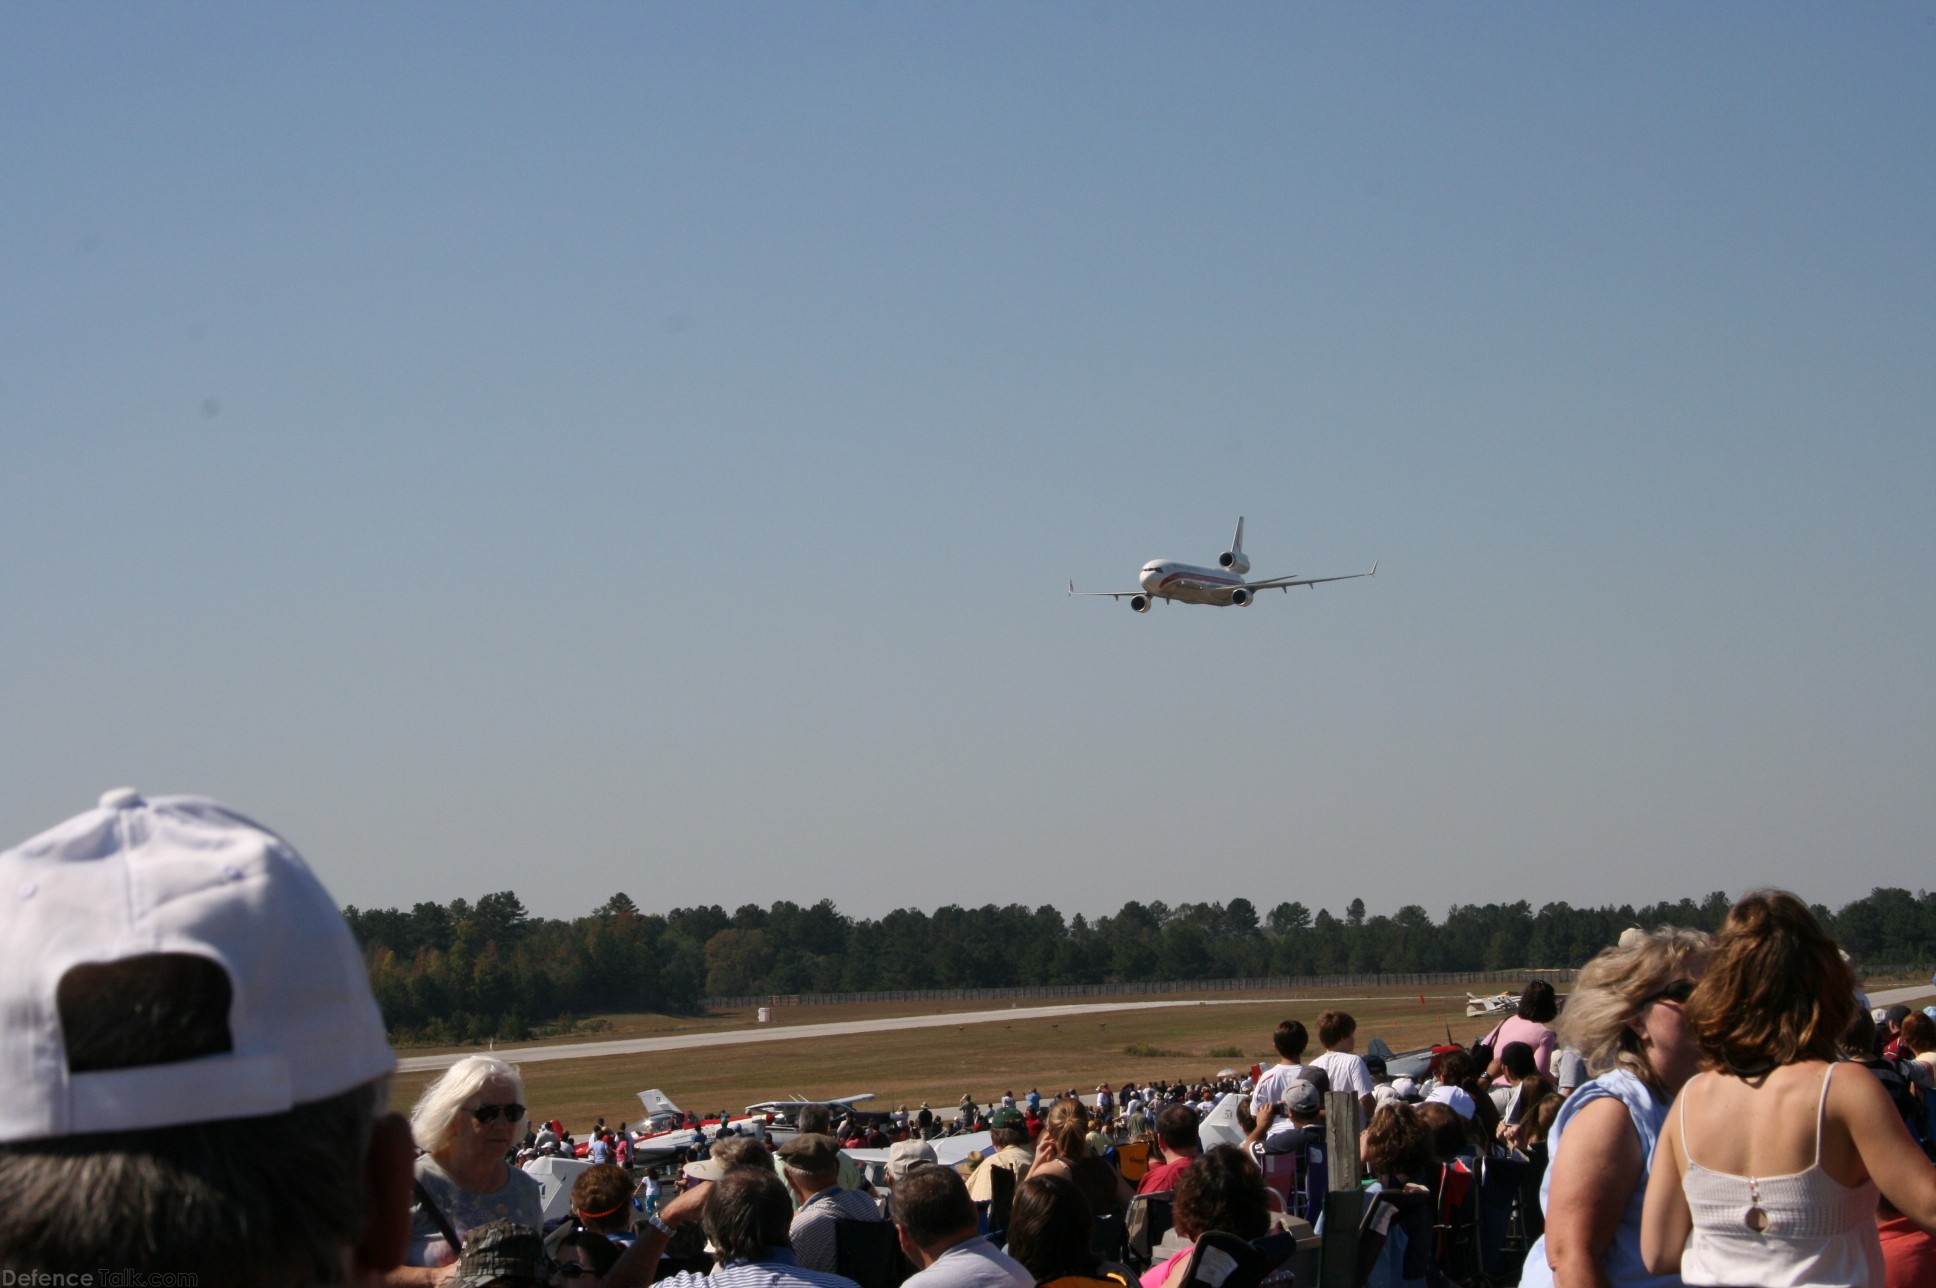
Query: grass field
[1187, 1040]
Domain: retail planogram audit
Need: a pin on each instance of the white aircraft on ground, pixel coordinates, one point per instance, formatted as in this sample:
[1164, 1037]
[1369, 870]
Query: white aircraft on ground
[1222, 586]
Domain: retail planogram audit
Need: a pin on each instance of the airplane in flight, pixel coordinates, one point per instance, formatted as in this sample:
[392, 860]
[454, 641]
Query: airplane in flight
[1222, 586]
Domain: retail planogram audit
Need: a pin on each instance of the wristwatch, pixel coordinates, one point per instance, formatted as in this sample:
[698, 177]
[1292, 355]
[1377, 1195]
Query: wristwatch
[658, 1223]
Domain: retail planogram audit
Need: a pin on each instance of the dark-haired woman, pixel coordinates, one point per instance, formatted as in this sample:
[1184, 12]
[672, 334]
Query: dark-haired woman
[1048, 1232]
[1530, 1023]
[1770, 1168]
[1222, 1190]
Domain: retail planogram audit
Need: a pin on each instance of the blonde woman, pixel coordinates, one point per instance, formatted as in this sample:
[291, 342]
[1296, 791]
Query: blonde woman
[1063, 1150]
[1624, 1017]
[466, 1123]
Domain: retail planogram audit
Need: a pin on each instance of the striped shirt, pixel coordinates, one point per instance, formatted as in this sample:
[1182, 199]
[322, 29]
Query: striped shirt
[779, 1270]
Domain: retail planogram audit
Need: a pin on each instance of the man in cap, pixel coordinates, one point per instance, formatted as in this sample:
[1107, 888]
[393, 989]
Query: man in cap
[818, 1120]
[503, 1254]
[1008, 1131]
[195, 1067]
[812, 1164]
[1301, 1123]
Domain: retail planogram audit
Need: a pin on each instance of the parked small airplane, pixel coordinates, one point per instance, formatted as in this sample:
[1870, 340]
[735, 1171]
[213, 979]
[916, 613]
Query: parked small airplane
[1222, 586]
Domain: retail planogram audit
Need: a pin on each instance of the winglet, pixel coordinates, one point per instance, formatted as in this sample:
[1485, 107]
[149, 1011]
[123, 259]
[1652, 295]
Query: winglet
[1372, 573]
[1072, 585]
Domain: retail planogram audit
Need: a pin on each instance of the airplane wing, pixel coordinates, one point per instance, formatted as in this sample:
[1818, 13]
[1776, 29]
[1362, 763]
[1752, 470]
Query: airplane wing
[1108, 594]
[1285, 583]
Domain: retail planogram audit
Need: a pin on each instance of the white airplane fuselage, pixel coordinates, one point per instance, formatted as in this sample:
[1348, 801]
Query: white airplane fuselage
[1189, 584]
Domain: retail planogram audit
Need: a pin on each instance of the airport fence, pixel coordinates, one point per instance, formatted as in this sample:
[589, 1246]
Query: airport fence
[1493, 980]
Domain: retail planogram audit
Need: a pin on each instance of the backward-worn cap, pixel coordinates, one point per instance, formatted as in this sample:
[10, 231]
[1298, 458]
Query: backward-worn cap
[1007, 1118]
[501, 1250]
[1300, 1097]
[812, 1153]
[137, 878]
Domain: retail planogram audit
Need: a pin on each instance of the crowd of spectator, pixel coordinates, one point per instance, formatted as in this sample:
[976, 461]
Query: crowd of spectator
[198, 1076]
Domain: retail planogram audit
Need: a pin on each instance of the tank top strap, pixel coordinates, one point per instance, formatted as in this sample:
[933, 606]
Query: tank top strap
[1680, 1112]
[1821, 1114]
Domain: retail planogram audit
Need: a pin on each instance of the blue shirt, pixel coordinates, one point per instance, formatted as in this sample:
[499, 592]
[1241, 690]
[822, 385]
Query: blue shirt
[1621, 1261]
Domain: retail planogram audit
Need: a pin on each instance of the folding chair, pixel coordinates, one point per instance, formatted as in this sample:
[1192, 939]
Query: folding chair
[869, 1253]
[1148, 1219]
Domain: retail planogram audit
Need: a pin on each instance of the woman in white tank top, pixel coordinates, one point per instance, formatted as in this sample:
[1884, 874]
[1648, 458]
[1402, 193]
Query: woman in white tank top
[1770, 1173]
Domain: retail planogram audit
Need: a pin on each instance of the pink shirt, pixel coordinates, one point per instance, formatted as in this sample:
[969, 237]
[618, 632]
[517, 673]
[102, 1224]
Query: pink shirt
[1534, 1034]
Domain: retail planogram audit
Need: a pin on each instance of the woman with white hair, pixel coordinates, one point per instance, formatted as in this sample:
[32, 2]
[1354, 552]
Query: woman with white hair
[467, 1123]
[1624, 1017]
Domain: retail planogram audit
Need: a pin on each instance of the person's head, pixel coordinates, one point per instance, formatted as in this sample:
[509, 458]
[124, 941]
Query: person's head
[1918, 1033]
[1290, 1039]
[602, 1198]
[196, 1069]
[1222, 1190]
[1862, 1040]
[933, 1212]
[1007, 1128]
[816, 1119]
[1398, 1143]
[1517, 1060]
[1177, 1127]
[1624, 1010]
[733, 1151]
[1303, 1101]
[1336, 1030]
[1541, 1120]
[1068, 1129]
[476, 1108]
[812, 1162]
[1049, 1226]
[1457, 1068]
[1538, 1002]
[747, 1212]
[1777, 989]
[581, 1257]
[1451, 1131]
[502, 1254]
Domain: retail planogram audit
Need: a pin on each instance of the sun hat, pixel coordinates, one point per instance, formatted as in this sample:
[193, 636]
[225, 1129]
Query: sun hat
[1404, 1088]
[136, 877]
[500, 1250]
[1457, 1098]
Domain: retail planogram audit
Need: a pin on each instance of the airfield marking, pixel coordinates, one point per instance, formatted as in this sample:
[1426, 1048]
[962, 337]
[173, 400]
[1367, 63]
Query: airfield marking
[844, 1028]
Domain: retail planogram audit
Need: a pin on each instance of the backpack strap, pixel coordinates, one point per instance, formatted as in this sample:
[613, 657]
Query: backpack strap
[437, 1218]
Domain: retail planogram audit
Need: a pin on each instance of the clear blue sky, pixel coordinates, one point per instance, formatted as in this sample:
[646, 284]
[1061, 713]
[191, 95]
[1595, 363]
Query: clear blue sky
[579, 448]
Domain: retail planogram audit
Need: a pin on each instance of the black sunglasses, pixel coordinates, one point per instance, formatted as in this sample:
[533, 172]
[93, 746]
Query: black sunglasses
[571, 1269]
[1678, 991]
[488, 1113]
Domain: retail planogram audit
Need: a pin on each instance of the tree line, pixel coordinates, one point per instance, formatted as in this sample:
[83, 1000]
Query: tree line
[462, 972]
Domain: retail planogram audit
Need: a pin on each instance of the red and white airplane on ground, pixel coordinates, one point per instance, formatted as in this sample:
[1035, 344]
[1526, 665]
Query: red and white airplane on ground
[1222, 586]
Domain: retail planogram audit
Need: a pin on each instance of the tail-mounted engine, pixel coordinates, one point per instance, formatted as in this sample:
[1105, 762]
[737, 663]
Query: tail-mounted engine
[1234, 560]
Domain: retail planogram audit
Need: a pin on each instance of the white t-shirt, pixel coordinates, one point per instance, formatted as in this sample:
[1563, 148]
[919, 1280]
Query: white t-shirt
[1347, 1071]
[1269, 1090]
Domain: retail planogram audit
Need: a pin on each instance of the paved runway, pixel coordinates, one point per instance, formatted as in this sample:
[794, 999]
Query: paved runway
[789, 1032]
[786, 1033]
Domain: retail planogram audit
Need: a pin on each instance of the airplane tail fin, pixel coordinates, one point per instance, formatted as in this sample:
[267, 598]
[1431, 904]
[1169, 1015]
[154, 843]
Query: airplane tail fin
[1237, 542]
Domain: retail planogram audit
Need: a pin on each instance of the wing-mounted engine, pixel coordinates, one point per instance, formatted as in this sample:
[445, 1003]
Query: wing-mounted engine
[1235, 561]
[1141, 603]
[1240, 597]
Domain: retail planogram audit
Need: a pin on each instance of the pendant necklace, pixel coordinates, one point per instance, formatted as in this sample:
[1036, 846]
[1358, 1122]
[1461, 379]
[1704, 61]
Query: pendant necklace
[1755, 1218]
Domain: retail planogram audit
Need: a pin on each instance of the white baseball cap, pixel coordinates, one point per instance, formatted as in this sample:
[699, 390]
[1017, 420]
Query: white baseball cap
[178, 874]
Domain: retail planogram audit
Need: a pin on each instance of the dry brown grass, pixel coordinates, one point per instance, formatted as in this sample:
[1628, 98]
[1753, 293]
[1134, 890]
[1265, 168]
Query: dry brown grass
[939, 1064]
